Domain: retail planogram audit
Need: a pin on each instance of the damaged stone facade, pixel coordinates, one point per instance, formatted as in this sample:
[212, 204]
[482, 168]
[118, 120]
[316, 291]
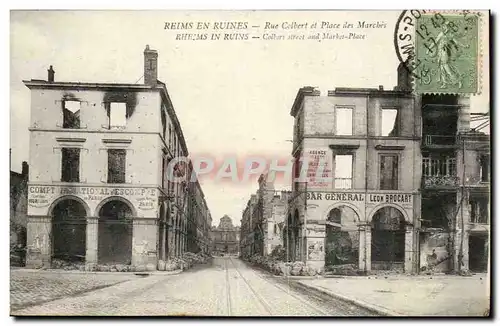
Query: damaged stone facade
[263, 220]
[454, 229]
[409, 189]
[361, 217]
[18, 215]
[98, 191]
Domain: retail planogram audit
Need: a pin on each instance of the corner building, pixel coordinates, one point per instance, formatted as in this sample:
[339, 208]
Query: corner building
[363, 218]
[98, 190]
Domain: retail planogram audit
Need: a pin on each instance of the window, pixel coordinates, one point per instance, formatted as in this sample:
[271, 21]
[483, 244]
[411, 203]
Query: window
[484, 169]
[343, 118]
[343, 171]
[116, 165]
[70, 167]
[479, 210]
[163, 171]
[163, 123]
[389, 172]
[390, 123]
[71, 114]
[169, 136]
[117, 115]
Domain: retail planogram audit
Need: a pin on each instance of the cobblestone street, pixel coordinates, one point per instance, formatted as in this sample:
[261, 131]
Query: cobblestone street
[228, 287]
[28, 287]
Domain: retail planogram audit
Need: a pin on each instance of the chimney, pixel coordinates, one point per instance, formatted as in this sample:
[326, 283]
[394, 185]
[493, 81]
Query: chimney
[25, 169]
[404, 79]
[51, 74]
[150, 66]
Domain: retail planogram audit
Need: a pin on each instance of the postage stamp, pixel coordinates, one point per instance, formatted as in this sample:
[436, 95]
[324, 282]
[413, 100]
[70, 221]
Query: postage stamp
[446, 46]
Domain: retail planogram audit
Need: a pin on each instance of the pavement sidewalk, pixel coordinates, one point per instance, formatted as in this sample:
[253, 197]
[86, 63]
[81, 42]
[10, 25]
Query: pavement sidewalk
[438, 295]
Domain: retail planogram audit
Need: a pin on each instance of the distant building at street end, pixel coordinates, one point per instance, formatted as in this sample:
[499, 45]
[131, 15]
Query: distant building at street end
[98, 190]
[263, 220]
[225, 238]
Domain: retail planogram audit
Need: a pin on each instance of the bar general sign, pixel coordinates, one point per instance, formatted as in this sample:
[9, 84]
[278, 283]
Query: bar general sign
[371, 198]
[40, 196]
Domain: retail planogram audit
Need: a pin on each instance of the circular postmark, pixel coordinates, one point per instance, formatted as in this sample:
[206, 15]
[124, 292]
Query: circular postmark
[439, 50]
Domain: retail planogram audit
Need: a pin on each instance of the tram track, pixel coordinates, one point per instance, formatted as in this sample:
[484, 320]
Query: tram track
[263, 303]
[284, 290]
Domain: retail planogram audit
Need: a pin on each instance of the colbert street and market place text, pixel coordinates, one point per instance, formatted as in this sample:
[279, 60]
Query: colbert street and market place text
[272, 31]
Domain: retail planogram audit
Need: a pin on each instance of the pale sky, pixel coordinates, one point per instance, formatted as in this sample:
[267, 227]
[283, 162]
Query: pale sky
[231, 97]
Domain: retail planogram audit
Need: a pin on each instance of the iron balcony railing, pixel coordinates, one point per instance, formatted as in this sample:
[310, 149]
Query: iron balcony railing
[440, 181]
[342, 183]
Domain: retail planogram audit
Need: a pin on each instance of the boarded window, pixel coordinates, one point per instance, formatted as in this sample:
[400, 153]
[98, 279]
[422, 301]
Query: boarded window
[116, 165]
[343, 171]
[71, 114]
[70, 167]
[117, 115]
[389, 172]
[390, 123]
[343, 118]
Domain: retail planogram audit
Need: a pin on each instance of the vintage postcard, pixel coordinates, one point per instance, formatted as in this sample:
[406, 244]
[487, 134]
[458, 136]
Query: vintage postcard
[250, 163]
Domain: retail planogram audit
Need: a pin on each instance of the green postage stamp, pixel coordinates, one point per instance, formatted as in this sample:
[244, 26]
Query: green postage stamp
[447, 50]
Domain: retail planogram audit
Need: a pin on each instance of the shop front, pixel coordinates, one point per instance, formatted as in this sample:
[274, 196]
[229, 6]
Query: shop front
[94, 225]
[357, 232]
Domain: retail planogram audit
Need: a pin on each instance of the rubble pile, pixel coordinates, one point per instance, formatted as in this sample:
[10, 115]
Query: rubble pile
[347, 269]
[67, 265]
[279, 267]
[187, 261]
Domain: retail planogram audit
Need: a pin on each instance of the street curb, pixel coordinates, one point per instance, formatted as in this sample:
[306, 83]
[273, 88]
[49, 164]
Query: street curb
[59, 271]
[362, 304]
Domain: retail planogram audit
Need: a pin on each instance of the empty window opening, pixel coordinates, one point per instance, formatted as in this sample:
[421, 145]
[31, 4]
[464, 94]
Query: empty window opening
[115, 233]
[439, 119]
[343, 118]
[478, 253]
[69, 227]
[71, 114]
[479, 210]
[484, 170]
[389, 172]
[70, 167]
[342, 240]
[343, 171]
[390, 123]
[117, 115]
[438, 210]
[388, 239]
[116, 165]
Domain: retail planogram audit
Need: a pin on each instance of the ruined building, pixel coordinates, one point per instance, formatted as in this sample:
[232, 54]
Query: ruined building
[405, 187]
[225, 237]
[98, 190]
[359, 213]
[18, 214]
[454, 224]
[263, 220]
